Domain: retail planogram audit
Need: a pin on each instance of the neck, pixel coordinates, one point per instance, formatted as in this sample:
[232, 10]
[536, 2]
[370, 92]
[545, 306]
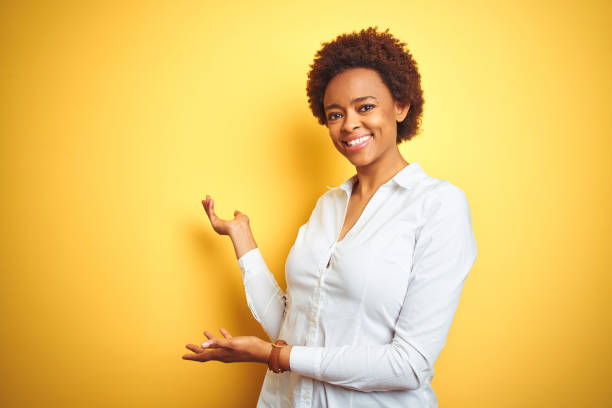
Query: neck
[375, 174]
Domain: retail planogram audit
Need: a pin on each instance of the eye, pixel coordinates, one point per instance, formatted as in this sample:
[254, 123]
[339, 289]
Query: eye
[366, 107]
[333, 116]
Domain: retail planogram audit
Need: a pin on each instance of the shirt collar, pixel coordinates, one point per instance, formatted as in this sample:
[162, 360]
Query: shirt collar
[403, 178]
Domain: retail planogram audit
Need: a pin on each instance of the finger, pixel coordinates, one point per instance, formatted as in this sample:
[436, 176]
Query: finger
[194, 348]
[217, 343]
[205, 356]
[194, 357]
[210, 343]
[225, 333]
[208, 212]
[211, 211]
[206, 202]
[208, 355]
[209, 334]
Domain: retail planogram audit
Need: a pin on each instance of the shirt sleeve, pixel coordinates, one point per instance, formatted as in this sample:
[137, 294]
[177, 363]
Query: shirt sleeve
[444, 253]
[265, 298]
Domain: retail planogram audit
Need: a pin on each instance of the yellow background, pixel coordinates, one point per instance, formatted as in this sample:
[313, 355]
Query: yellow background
[117, 118]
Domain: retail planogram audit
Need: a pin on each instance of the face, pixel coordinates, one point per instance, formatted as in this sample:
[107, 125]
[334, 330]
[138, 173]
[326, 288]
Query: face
[362, 116]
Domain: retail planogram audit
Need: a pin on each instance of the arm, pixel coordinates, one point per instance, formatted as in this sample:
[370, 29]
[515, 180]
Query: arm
[445, 251]
[264, 297]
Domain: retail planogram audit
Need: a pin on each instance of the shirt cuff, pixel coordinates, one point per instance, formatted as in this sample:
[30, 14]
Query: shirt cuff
[251, 261]
[305, 360]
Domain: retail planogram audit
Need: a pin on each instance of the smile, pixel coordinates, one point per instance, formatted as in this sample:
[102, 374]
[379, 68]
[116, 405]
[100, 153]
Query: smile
[357, 144]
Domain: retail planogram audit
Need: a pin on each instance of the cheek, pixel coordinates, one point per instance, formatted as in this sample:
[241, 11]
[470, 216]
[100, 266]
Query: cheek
[385, 121]
[379, 121]
[334, 137]
[334, 131]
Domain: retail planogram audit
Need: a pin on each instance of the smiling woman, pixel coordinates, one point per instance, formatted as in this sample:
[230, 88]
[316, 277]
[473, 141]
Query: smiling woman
[380, 52]
[375, 274]
[371, 119]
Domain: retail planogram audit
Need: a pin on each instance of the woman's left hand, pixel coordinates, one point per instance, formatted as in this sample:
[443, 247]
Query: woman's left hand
[230, 349]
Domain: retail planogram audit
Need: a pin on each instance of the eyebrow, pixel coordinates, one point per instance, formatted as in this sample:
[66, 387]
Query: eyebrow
[361, 98]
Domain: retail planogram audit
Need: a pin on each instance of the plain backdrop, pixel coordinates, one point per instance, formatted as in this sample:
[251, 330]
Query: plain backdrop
[118, 117]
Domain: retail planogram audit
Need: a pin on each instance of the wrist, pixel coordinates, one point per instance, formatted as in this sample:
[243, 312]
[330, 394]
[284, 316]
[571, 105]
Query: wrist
[278, 359]
[274, 359]
[264, 353]
[242, 239]
[240, 231]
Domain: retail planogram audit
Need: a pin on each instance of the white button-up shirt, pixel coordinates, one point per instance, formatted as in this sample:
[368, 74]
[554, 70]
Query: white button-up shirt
[368, 315]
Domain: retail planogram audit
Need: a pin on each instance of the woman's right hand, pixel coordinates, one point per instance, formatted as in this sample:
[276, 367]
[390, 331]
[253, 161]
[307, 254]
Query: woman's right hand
[224, 227]
[238, 229]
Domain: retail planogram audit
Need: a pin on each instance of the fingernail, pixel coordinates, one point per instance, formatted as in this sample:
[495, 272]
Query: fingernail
[205, 344]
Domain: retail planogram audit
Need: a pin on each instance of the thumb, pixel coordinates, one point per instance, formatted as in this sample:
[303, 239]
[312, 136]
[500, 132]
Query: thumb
[216, 343]
[236, 213]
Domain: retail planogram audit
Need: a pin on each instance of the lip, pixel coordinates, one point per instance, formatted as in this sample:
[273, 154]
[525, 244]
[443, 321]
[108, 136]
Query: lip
[348, 139]
[360, 145]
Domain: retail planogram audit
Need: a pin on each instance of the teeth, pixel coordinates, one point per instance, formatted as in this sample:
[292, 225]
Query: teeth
[357, 141]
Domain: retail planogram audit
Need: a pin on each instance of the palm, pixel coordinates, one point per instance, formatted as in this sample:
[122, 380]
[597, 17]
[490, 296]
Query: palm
[221, 226]
[229, 349]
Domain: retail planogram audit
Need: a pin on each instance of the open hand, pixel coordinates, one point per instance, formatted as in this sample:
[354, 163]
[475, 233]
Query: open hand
[230, 349]
[223, 227]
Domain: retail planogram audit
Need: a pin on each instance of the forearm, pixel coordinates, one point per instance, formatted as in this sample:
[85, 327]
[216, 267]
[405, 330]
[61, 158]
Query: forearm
[265, 298]
[362, 367]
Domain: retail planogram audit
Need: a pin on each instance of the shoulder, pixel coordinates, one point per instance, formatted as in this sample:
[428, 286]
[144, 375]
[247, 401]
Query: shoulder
[327, 204]
[446, 218]
[331, 196]
[451, 195]
[443, 198]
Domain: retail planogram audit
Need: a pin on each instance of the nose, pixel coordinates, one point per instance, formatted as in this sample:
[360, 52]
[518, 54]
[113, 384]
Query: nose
[351, 121]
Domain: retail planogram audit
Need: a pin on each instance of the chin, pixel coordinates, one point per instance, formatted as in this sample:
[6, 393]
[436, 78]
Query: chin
[360, 161]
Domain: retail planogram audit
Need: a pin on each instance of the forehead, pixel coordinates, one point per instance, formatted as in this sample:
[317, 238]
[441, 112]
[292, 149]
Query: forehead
[353, 83]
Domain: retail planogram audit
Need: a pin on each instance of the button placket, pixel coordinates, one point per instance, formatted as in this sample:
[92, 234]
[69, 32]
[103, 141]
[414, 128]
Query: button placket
[307, 390]
[306, 393]
[314, 313]
[330, 252]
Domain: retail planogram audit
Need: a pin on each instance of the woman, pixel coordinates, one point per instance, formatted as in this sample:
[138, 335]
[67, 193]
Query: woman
[375, 275]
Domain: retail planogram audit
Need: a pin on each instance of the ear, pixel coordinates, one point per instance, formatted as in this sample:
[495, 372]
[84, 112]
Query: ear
[401, 110]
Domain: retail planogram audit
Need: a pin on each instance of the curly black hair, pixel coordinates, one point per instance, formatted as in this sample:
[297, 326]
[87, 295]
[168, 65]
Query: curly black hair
[380, 51]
